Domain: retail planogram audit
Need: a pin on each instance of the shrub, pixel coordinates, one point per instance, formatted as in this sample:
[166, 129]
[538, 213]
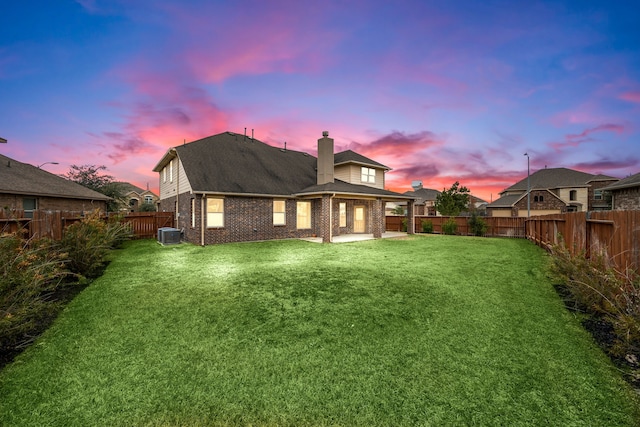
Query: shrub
[603, 292]
[477, 225]
[450, 226]
[88, 242]
[427, 226]
[31, 271]
[405, 223]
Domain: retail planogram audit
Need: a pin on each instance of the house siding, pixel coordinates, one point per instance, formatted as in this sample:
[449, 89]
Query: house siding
[353, 174]
[582, 196]
[13, 202]
[169, 188]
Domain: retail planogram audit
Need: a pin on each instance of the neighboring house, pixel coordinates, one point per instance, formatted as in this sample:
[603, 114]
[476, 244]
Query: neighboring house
[28, 188]
[625, 194]
[553, 190]
[231, 188]
[136, 197]
[425, 199]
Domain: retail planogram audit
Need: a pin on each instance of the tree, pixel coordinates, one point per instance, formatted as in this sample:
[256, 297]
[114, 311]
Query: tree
[452, 201]
[90, 176]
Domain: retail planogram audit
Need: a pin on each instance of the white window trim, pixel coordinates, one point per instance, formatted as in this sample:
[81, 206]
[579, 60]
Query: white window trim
[368, 175]
[219, 215]
[277, 214]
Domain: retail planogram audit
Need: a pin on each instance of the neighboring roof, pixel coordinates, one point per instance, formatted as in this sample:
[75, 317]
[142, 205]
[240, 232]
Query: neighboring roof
[342, 187]
[557, 178]
[628, 182]
[506, 201]
[25, 179]
[236, 164]
[423, 194]
[349, 156]
[510, 200]
[128, 188]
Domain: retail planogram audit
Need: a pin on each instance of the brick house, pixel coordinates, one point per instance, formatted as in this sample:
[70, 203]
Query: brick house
[135, 197]
[553, 190]
[24, 187]
[625, 194]
[232, 188]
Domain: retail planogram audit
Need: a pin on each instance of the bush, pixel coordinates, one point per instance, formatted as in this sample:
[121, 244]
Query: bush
[450, 226]
[477, 225]
[405, 223]
[427, 226]
[31, 271]
[88, 242]
[603, 292]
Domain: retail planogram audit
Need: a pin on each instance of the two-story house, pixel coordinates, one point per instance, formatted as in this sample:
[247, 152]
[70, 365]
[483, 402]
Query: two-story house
[553, 190]
[232, 188]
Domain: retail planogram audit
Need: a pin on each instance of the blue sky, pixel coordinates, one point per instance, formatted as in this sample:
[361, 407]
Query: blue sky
[438, 91]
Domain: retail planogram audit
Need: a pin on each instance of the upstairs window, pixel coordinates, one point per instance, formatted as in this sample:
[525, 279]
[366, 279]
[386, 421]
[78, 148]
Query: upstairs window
[573, 195]
[171, 171]
[597, 194]
[279, 215]
[148, 199]
[215, 213]
[368, 175]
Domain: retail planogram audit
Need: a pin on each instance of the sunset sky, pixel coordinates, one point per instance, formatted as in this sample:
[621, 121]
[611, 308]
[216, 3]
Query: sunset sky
[438, 91]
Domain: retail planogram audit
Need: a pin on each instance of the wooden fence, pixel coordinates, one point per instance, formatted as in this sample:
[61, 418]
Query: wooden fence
[612, 234]
[497, 226]
[52, 224]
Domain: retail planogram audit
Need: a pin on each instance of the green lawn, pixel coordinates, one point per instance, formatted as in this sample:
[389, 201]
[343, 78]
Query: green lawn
[430, 330]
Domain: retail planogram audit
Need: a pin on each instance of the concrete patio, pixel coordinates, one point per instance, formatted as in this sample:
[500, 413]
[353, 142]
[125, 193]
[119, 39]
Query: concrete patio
[344, 238]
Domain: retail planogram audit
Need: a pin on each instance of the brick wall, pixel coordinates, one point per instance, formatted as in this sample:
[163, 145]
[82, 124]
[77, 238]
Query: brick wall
[13, 202]
[627, 199]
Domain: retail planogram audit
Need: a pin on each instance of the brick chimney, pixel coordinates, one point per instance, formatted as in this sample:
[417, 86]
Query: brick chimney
[325, 159]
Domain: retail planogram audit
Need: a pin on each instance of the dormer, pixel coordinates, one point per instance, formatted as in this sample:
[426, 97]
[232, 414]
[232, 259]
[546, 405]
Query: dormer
[357, 169]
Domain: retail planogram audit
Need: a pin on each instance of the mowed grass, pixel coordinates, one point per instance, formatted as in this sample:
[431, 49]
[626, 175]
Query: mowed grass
[429, 330]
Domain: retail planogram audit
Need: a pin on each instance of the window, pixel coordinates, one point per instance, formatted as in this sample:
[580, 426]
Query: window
[573, 195]
[368, 175]
[164, 174]
[343, 214]
[148, 199]
[29, 205]
[535, 198]
[597, 194]
[279, 216]
[303, 215]
[193, 213]
[215, 213]
[171, 171]
[541, 199]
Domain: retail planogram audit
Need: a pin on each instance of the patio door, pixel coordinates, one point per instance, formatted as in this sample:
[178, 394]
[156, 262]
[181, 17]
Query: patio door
[358, 219]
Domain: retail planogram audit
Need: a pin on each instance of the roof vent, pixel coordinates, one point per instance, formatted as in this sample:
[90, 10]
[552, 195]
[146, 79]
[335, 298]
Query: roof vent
[416, 185]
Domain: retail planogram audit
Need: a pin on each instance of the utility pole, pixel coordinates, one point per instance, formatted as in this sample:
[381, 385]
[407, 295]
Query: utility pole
[528, 189]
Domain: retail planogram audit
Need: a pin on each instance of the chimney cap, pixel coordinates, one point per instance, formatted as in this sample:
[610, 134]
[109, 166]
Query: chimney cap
[325, 133]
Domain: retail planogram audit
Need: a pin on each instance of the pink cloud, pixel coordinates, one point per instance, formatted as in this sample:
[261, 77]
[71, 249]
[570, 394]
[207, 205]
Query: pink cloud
[397, 144]
[633, 96]
[574, 140]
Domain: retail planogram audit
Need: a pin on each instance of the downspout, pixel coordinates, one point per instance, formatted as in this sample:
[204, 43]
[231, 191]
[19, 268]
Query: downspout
[331, 217]
[177, 190]
[202, 224]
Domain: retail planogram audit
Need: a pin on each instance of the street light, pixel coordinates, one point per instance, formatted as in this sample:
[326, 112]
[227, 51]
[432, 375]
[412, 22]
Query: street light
[528, 189]
[47, 163]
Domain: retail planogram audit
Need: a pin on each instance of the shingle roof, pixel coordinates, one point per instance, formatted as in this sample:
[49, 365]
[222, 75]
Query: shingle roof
[26, 179]
[349, 156]
[630, 181]
[342, 187]
[506, 201]
[423, 194]
[556, 178]
[232, 163]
